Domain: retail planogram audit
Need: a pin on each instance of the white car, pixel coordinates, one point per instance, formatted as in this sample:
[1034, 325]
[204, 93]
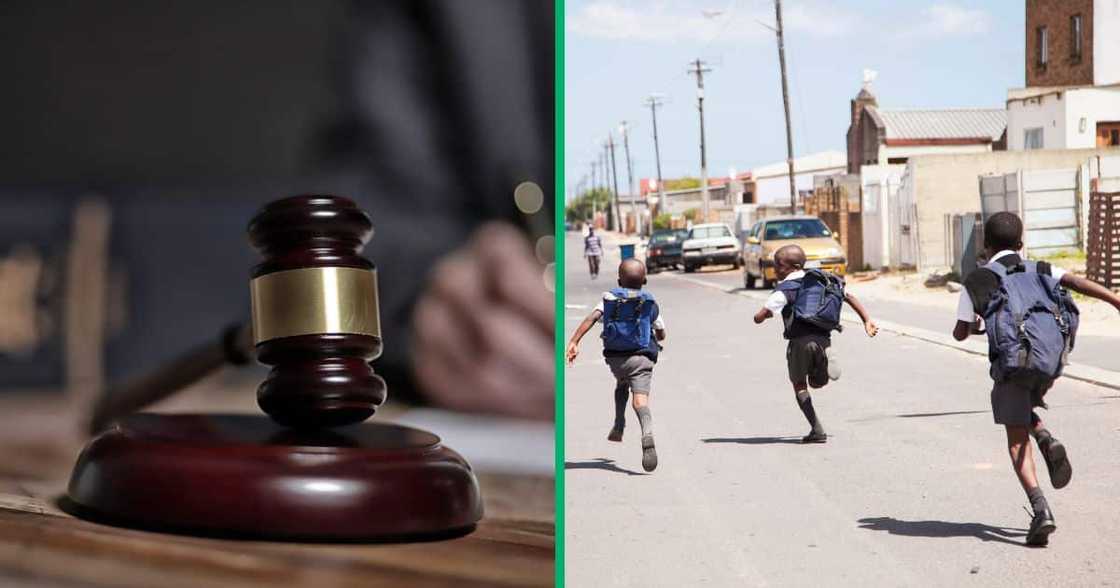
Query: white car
[710, 244]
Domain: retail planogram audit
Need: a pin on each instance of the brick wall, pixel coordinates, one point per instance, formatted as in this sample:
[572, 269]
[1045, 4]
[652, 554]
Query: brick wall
[1062, 69]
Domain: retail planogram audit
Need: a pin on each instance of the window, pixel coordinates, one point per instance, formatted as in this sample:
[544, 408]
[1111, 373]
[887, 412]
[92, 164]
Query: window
[1075, 40]
[1043, 46]
[1032, 138]
[709, 232]
[796, 229]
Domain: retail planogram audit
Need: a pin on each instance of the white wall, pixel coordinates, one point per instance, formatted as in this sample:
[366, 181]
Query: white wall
[1046, 111]
[888, 151]
[1106, 42]
[1093, 104]
[775, 189]
[879, 186]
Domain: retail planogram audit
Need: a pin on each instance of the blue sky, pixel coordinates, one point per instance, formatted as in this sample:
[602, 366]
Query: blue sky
[927, 54]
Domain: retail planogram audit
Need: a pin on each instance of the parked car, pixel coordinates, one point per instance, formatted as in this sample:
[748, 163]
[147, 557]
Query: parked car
[664, 248]
[768, 235]
[710, 244]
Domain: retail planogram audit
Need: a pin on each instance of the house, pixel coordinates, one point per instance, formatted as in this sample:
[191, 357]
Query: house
[771, 181]
[878, 136]
[881, 142]
[1072, 96]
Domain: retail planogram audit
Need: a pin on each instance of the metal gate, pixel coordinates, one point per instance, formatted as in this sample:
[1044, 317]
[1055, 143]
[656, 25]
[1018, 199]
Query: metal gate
[1048, 202]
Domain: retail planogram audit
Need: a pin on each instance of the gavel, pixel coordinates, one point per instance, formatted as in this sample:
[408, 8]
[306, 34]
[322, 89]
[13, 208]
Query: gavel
[314, 318]
[311, 469]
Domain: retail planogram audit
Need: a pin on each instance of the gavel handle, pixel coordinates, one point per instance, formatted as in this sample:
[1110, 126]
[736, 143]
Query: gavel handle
[235, 346]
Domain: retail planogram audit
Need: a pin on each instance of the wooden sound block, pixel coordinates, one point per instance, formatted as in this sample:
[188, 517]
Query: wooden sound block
[245, 475]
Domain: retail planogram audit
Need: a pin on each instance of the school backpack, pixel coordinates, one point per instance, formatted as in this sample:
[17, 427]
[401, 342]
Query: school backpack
[817, 299]
[627, 320]
[1031, 322]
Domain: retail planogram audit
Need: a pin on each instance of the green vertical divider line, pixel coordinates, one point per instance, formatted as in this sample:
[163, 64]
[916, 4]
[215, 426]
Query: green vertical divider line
[558, 259]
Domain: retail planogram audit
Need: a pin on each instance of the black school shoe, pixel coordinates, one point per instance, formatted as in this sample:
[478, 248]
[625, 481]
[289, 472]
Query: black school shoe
[615, 435]
[815, 437]
[1042, 524]
[649, 454]
[1054, 453]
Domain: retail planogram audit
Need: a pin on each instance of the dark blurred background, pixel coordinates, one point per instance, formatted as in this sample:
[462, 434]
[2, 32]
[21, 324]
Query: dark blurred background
[138, 139]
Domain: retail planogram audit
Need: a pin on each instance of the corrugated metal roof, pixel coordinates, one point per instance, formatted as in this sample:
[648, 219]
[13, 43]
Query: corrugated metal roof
[962, 123]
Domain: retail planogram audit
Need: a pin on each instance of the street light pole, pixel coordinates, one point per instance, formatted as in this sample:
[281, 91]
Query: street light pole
[653, 102]
[699, 69]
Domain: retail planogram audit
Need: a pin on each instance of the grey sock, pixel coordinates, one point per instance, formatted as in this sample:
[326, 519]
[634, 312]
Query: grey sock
[645, 419]
[621, 396]
[1038, 501]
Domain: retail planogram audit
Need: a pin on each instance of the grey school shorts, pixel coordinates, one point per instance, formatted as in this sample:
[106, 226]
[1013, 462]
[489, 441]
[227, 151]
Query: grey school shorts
[1015, 398]
[633, 371]
[808, 360]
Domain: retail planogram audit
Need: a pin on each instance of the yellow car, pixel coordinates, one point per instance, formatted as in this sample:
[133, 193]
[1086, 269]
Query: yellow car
[768, 235]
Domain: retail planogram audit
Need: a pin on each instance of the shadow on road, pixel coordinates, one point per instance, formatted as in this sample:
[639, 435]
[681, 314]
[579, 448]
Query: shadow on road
[600, 463]
[942, 529]
[919, 415]
[754, 440]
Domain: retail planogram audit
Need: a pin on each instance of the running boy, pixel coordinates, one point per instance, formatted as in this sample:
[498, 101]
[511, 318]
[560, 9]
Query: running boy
[1028, 356]
[808, 327]
[632, 327]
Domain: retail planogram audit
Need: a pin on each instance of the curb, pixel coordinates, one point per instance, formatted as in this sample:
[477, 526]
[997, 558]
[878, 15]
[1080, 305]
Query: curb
[1074, 371]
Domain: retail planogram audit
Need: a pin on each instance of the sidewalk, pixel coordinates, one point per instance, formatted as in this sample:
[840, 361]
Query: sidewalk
[975, 346]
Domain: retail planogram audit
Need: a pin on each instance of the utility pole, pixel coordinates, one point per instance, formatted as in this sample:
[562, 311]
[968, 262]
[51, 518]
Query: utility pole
[699, 69]
[630, 178]
[612, 211]
[785, 102]
[614, 173]
[653, 102]
[594, 187]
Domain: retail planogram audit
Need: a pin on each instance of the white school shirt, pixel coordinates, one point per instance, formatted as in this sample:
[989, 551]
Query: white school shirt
[658, 324]
[777, 300]
[965, 312]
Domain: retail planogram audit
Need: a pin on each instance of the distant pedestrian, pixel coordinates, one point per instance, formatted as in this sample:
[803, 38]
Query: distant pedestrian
[809, 302]
[1031, 326]
[593, 251]
[632, 329]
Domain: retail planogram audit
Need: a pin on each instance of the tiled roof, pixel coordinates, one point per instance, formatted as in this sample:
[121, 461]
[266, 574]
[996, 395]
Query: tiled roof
[963, 123]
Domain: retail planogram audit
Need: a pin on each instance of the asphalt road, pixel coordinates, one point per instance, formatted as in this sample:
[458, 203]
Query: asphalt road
[913, 488]
[1094, 350]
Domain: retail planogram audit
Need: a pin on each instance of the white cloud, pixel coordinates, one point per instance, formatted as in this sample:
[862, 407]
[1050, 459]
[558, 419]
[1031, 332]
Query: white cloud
[947, 20]
[620, 20]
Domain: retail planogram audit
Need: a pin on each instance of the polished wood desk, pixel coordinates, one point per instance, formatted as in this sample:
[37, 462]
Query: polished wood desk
[41, 545]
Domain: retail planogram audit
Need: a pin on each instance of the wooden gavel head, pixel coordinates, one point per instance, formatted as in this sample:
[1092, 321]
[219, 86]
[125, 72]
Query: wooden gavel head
[315, 312]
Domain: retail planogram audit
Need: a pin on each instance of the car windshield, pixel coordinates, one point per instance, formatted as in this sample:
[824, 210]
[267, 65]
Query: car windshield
[709, 232]
[802, 228]
[667, 237]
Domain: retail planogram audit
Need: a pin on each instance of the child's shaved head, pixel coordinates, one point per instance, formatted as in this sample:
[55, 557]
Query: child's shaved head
[791, 256]
[631, 274]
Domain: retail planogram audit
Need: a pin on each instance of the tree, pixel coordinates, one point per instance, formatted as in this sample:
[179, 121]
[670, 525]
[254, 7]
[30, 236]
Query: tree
[685, 183]
[581, 207]
[663, 221]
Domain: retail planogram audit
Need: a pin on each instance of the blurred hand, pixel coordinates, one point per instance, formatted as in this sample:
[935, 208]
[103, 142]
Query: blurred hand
[871, 328]
[571, 353]
[483, 329]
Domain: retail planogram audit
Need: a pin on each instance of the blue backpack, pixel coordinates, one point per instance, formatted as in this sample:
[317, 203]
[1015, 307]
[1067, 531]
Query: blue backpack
[627, 320]
[1031, 322]
[817, 299]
